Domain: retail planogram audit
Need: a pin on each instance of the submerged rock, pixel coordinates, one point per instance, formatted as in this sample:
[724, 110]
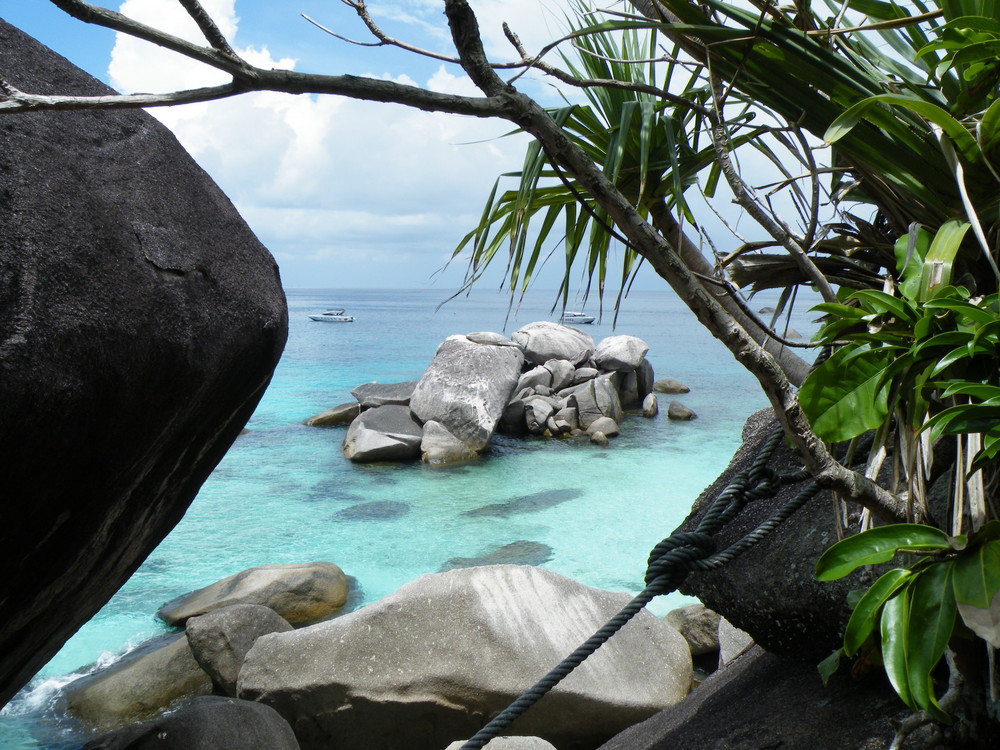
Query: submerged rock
[425, 666]
[299, 592]
[140, 324]
[526, 503]
[378, 510]
[515, 553]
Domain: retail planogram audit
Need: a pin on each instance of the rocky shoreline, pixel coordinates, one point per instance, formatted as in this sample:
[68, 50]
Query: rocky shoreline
[429, 665]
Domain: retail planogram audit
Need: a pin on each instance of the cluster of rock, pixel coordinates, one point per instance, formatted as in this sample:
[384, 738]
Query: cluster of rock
[546, 379]
[420, 669]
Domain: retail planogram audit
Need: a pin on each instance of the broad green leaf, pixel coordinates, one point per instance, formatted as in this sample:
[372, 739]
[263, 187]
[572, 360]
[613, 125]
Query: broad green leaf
[977, 574]
[840, 397]
[838, 310]
[877, 545]
[829, 665]
[983, 621]
[910, 251]
[963, 418]
[981, 391]
[976, 23]
[894, 630]
[931, 620]
[880, 302]
[867, 611]
[935, 274]
[973, 53]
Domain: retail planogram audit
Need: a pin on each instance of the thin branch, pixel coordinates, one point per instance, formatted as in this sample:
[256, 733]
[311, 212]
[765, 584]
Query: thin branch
[739, 188]
[734, 294]
[109, 19]
[208, 27]
[13, 100]
[384, 40]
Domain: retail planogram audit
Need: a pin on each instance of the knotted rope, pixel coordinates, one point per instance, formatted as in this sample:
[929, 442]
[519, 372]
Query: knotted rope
[670, 562]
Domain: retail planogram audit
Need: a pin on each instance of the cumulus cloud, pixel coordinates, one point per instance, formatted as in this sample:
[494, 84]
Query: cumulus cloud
[321, 179]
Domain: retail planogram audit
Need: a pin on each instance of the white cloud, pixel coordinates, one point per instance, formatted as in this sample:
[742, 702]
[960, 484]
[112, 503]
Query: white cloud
[321, 179]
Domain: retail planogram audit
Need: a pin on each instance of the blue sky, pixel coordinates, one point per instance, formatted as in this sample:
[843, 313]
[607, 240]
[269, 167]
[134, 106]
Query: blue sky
[343, 193]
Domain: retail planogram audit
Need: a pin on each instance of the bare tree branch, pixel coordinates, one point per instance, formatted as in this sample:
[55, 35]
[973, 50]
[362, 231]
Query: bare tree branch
[208, 27]
[776, 229]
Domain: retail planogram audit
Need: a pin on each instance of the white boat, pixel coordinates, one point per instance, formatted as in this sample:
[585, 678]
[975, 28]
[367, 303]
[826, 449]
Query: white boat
[569, 318]
[333, 316]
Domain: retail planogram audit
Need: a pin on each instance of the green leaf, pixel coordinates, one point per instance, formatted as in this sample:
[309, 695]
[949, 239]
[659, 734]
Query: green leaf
[880, 302]
[977, 575]
[910, 251]
[877, 545]
[935, 274]
[894, 631]
[847, 121]
[931, 620]
[829, 665]
[866, 613]
[842, 400]
[989, 128]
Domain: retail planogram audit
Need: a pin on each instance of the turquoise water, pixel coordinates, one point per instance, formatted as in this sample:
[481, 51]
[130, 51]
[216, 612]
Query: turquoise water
[276, 496]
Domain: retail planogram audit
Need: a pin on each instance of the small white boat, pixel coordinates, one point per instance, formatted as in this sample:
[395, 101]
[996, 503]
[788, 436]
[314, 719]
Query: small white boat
[333, 316]
[570, 318]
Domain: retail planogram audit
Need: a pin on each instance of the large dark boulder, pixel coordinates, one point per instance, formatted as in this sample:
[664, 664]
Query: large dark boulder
[210, 722]
[770, 591]
[140, 321]
[762, 700]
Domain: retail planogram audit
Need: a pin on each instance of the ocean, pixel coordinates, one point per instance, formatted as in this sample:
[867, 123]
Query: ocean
[278, 494]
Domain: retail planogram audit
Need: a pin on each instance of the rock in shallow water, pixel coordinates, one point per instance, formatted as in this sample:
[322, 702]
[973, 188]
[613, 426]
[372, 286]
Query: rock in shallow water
[220, 639]
[138, 686]
[466, 388]
[428, 664]
[526, 503]
[299, 592]
[386, 433]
